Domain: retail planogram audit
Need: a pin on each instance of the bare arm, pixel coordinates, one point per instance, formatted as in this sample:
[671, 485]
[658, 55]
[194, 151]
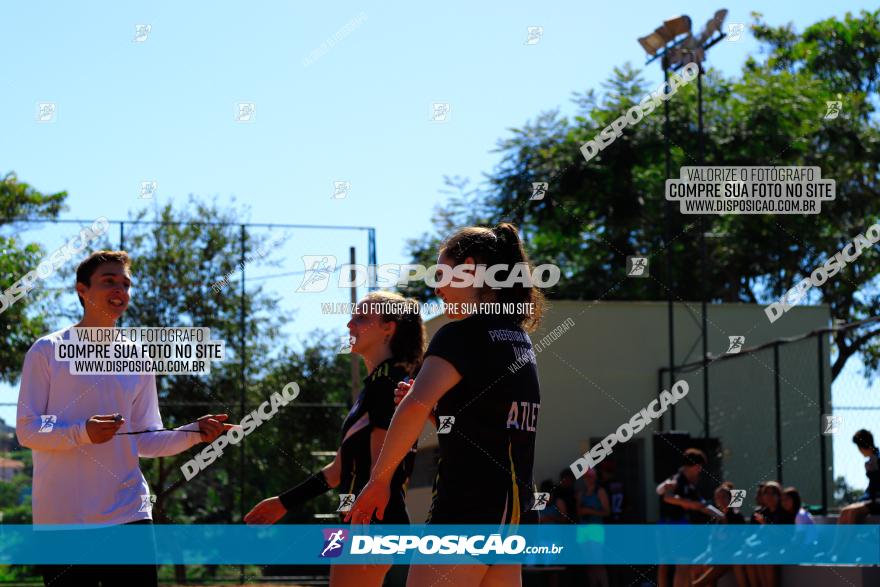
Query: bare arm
[377, 439]
[687, 504]
[436, 377]
[333, 471]
[402, 389]
[667, 490]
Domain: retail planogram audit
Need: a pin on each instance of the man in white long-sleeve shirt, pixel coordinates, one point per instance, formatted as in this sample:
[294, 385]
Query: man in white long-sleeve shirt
[84, 473]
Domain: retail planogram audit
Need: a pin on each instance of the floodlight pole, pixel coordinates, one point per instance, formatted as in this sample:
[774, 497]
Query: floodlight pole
[703, 265]
[669, 277]
[355, 360]
[668, 32]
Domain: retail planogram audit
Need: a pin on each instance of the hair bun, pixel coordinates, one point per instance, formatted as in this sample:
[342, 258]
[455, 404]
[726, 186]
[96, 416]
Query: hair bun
[506, 232]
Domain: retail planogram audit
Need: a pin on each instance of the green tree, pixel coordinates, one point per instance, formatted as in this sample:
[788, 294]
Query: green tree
[599, 212]
[196, 246]
[19, 324]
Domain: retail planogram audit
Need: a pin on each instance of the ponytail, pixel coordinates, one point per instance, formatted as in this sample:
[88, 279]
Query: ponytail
[500, 245]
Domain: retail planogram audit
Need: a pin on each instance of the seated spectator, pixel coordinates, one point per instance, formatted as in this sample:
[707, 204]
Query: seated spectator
[759, 503]
[707, 576]
[773, 512]
[593, 508]
[722, 500]
[593, 504]
[791, 503]
[869, 503]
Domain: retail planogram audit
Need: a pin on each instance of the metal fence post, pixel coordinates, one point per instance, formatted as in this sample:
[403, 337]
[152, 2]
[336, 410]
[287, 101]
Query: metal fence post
[778, 402]
[242, 385]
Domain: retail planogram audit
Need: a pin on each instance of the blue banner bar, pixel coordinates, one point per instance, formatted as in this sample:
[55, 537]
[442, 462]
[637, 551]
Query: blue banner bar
[536, 545]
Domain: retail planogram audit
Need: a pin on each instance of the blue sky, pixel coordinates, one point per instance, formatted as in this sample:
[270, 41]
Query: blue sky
[163, 109]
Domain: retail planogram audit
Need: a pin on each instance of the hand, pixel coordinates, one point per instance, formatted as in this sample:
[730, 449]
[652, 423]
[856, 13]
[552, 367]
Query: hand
[267, 511]
[102, 428]
[212, 426]
[759, 517]
[372, 498]
[403, 388]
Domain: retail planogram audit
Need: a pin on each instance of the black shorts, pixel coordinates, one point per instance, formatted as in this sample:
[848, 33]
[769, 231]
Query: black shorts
[446, 511]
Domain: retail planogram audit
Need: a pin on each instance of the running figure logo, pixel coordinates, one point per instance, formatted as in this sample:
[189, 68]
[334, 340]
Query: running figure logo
[637, 266]
[737, 497]
[539, 189]
[444, 424]
[541, 501]
[833, 109]
[333, 540]
[46, 112]
[47, 423]
[735, 31]
[346, 500]
[534, 35]
[147, 502]
[440, 111]
[141, 32]
[148, 189]
[340, 189]
[317, 273]
[346, 344]
[245, 112]
[736, 344]
[831, 423]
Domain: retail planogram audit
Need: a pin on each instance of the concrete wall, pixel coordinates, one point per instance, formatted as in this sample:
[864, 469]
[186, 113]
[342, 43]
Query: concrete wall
[605, 369]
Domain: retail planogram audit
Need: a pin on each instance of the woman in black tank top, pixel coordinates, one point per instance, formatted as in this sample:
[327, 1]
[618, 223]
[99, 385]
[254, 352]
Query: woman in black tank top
[387, 332]
[479, 381]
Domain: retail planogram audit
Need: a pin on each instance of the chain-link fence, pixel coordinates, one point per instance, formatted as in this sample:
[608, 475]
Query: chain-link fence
[250, 284]
[779, 413]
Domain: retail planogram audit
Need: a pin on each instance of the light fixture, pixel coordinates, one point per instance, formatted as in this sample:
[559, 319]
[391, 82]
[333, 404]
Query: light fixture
[665, 34]
[652, 42]
[689, 48]
[713, 25]
[678, 25]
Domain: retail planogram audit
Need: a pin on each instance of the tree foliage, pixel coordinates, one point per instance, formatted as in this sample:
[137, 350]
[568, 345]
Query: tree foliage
[599, 212]
[20, 327]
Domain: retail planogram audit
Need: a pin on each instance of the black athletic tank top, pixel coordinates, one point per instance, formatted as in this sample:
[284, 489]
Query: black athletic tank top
[486, 423]
[374, 408]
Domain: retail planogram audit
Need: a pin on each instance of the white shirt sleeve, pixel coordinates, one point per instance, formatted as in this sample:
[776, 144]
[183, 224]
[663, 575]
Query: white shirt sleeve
[33, 401]
[145, 416]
